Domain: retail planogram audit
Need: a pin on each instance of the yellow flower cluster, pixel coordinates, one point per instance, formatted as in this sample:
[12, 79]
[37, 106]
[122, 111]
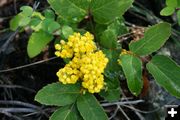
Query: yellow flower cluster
[87, 64]
[76, 44]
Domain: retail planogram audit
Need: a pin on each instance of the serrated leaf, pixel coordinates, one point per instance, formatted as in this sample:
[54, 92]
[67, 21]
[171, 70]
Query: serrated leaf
[166, 73]
[113, 90]
[108, 39]
[69, 112]
[132, 67]
[66, 31]
[37, 42]
[90, 108]
[105, 11]
[70, 9]
[58, 94]
[154, 38]
[167, 11]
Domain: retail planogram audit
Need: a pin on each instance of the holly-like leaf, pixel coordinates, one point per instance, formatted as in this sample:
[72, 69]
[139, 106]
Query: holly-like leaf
[58, 94]
[105, 11]
[70, 9]
[154, 39]
[37, 42]
[166, 73]
[90, 108]
[68, 112]
[132, 67]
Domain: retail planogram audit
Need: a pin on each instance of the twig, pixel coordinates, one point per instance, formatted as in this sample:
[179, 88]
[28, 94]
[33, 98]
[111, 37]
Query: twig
[17, 86]
[36, 4]
[145, 112]
[11, 116]
[17, 110]
[6, 44]
[114, 114]
[28, 65]
[123, 113]
[15, 6]
[18, 103]
[122, 103]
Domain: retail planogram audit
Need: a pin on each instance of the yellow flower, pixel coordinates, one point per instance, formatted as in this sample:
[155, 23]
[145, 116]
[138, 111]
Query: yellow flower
[87, 64]
[69, 74]
[92, 67]
[76, 44]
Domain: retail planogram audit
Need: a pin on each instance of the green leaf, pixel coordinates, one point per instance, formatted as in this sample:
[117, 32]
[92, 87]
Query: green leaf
[14, 23]
[105, 11]
[49, 14]
[58, 94]
[178, 3]
[45, 24]
[38, 15]
[112, 69]
[167, 11]
[166, 73]
[132, 67]
[90, 108]
[24, 21]
[53, 27]
[108, 39]
[178, 17]
[35, 24]
[66, 31]
[70, 9]
[113, 90]
[118, 26]
[27, 11]
[172, 3]
[154, 39]
[69, 112]
[37, 42]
